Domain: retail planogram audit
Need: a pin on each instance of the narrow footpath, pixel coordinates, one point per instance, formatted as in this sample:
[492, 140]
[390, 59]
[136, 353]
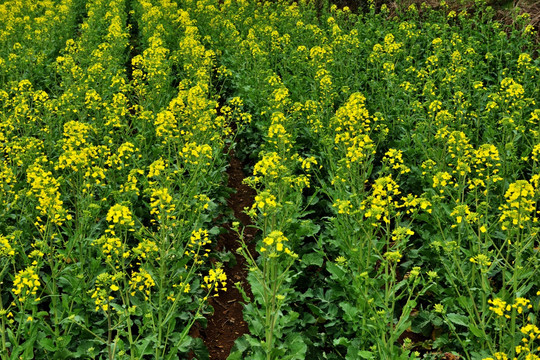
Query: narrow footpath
[227, 323]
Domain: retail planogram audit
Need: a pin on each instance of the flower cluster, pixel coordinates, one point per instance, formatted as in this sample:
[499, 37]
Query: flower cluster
[161, 205]
[394, 159]
[6, 250]
[26, 283]
[215, 280]
[147, 249]
[106, 284]
[141, 281]
[265, 202]
[45, 187]
[519, 205]
[195, 248]
[274, 244]
[120, 215]
[382, 201]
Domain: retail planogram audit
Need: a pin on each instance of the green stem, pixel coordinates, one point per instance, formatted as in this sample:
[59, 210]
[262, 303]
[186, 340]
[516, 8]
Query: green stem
[109, 333]
[163, 255]
[269, 333]
[4, 348]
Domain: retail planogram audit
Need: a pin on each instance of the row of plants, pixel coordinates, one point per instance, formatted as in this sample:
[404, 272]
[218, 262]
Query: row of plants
[110, 191]
[184, 136]
[425, 125]
[278, 212]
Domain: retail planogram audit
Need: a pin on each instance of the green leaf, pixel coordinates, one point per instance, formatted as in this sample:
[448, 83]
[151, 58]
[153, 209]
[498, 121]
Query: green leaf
[476, 331]
[253, 342]
[200, 350]
[214, 231]
[47, 344]
[437, 321]
[312, 259]
[63, 354]
[365, 354]
[307, 228]
[83, 349]
[143, 346]
[185, 344]
[522, 291]
[64, 341]
[341, 341]
[402, 327]
[28, 347]
[290, 318]
[308, 319]
[336, 271]
[296, 346]
[228, 258]
[235, 355]
[256, 327]
[351, 312]
[458, 319]
[240, 345]
[464, 302]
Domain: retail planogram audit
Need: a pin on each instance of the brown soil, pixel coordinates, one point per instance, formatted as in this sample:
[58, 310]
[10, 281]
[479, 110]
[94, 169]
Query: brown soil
[226, 324]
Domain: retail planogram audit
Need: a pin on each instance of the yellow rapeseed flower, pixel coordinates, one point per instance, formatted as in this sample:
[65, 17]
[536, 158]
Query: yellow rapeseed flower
[26, 283]
[120, 214]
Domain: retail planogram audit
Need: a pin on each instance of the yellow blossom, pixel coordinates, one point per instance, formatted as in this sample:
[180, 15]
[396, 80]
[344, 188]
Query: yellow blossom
[26, 283]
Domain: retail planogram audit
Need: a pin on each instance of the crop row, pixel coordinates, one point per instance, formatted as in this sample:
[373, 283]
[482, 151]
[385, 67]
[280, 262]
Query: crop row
[112, 175]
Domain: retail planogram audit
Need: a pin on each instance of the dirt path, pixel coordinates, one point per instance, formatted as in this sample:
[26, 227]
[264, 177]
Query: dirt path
[227, 323]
